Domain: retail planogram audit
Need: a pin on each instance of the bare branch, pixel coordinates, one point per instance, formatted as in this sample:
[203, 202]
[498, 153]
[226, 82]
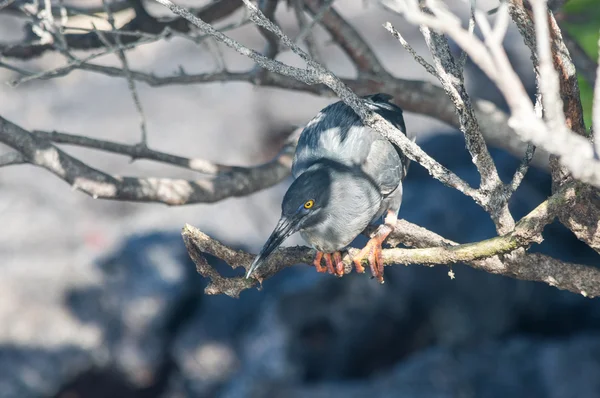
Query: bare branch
[268, 8]
[548, 81]
[521, 171]
[462, 60]
[450, 75]
[79, 63]
[307, 28]
[236, 182]
[135, 152]
[306, 34]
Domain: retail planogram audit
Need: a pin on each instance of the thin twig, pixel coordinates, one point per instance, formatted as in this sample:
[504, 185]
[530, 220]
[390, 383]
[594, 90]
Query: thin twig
[306, 34]
[75, 64]
[521, 171]
[426, 65]
[135, 152]
[306, 30]
[130, 82]
[549, 83]
[350, 41]
[450, 75]
[462, 59]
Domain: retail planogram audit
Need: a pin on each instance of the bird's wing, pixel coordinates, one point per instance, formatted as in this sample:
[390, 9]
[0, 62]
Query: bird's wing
[336, 133]
[386, 164]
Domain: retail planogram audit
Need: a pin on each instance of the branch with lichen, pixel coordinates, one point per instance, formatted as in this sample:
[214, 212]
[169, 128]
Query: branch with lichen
[483, 255]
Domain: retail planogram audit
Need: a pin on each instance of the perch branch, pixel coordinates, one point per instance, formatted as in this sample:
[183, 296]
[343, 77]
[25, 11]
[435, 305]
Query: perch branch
[481, 255]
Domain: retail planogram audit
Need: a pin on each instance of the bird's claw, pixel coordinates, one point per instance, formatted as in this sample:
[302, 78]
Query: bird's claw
[317, 262]
[333, 262]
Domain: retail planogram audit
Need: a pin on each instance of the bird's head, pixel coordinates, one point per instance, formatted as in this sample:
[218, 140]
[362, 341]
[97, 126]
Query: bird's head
[304, 205]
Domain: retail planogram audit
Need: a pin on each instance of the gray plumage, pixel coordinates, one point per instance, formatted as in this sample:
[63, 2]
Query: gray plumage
[352, 173]
[367, 187]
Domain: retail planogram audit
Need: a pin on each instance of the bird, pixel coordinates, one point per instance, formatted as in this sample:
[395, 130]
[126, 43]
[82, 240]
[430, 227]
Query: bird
[346, 176]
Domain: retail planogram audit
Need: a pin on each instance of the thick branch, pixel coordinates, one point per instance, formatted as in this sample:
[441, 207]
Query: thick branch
[451, 79]
[450, 76]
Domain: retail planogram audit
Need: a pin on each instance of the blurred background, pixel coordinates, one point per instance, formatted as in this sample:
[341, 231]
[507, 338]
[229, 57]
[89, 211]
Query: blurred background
[99, 298]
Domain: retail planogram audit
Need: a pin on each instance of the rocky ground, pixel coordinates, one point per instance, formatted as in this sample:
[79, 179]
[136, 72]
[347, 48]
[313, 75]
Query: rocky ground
[99, 298]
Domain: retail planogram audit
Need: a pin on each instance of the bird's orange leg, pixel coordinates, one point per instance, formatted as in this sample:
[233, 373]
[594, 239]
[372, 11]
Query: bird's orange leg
[317, 262]
[372, 250]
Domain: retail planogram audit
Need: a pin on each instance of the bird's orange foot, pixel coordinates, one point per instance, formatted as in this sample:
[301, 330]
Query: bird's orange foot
[333, 262]
[372, 252]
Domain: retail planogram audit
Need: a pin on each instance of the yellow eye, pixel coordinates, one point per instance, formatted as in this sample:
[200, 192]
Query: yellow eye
[309, 204]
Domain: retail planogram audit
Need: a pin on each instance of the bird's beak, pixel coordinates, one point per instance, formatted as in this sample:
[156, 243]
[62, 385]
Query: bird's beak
[285, 227]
